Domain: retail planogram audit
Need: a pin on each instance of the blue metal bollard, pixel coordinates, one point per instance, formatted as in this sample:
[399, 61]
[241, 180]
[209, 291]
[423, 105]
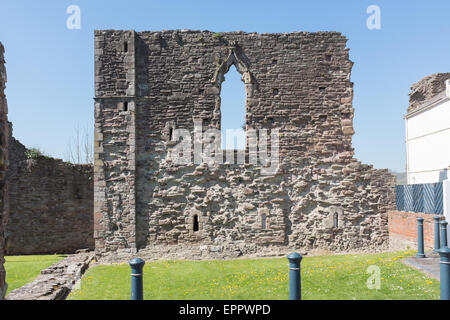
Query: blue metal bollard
[444, 252]
[437, 241]
[443, 233]
[136, 279]
[295, 292]
[420, 245]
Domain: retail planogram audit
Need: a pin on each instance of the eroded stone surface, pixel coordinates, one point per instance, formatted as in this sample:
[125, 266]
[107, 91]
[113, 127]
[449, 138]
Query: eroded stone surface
[51, 204]
[4, 203]
[426, 89]
[149, 83]
[55, 282]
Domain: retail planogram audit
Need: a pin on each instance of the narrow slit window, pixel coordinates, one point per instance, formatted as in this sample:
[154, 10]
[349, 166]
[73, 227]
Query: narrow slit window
[336, 219]
[125, 106]
[195, 223]
[125, 46]
[170, 134]
[263, 221]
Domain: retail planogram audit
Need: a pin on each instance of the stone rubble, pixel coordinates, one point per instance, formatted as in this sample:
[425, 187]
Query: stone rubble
[55, 282]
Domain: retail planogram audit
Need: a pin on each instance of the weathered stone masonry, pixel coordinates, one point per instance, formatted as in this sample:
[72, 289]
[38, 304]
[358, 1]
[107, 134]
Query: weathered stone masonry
[51, 204]
[149, 83]
[426, 89]
[47, 203]
[3, 169]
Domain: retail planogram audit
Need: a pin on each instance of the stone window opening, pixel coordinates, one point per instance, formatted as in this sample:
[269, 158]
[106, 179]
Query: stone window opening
[169, 133]
[336, 220]
[125, 46]
[233, 111]
[263, 221]
[195, 223]
[125, 106]
[240, 62]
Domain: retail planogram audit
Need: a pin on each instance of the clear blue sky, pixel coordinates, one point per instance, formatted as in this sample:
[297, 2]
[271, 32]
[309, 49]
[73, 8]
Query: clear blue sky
[51, 75]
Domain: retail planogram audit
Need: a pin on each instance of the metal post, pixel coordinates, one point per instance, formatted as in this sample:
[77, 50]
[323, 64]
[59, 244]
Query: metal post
[295, 292]
[420, 245]
[443, 233]
[437, 241]
[444, 252]
[136, 279]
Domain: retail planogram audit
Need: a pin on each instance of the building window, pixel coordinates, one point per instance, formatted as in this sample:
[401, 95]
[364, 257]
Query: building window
[125, 106]
[125, 46]
[336, 219]
[263, 221]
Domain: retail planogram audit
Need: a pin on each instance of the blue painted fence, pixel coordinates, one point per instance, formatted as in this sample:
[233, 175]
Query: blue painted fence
[426, 198]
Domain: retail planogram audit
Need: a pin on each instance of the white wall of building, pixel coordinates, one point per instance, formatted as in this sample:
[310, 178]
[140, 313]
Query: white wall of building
[428, 144]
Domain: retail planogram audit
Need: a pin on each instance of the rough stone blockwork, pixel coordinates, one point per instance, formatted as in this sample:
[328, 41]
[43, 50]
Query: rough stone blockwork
[51, 204]
[426, 89]
[55, 282]
[150, 83]
[3, 170]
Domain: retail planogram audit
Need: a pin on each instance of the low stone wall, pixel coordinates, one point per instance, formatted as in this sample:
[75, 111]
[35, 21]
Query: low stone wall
[51, 204]
[403, 230]
[55, 282]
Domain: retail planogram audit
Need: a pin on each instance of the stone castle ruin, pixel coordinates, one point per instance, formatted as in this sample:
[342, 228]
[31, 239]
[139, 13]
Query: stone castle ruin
[150, 84]
[138, 199]
[50, 202]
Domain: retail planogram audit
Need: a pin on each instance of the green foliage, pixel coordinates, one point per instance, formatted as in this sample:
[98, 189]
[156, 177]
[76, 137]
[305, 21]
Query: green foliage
[21, 270]
[328, 277]
[218, 35]
[35, 153]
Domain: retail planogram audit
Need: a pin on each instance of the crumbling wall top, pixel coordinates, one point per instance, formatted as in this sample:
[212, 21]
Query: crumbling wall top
[426, 89]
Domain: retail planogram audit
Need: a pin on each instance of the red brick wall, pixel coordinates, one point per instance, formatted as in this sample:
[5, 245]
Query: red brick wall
[403, 229]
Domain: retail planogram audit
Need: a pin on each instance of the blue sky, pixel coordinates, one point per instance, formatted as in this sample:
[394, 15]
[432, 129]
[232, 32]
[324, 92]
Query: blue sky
[51, 69]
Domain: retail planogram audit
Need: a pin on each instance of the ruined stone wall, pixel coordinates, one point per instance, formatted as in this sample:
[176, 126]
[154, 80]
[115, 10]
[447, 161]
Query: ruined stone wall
[150, 83]
[426, 89]
[51, 204]
[3, 170]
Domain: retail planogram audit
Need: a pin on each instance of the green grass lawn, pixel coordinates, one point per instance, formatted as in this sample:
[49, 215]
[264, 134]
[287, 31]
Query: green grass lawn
[21, 270]
[325, 277]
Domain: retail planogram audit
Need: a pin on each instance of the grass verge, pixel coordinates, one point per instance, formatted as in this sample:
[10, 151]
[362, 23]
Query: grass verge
[325, 277]
[21, 270]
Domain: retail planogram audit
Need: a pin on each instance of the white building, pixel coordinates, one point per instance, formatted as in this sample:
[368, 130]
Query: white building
[428, 132]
